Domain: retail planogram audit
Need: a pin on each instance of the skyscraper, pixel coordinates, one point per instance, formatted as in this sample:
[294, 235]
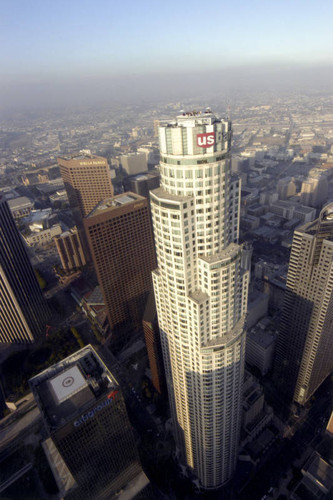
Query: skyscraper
[87, 181]
[89, 436]
[314, 190]
[23, 310]
[120, 239]
[304, 350]
[201, 292]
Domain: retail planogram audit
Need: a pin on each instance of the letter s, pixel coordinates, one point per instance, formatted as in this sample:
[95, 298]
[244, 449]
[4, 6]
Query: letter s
[210, 140]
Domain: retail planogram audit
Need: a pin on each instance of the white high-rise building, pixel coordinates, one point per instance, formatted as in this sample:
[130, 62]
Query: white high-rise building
[201, 292]
[304, 349]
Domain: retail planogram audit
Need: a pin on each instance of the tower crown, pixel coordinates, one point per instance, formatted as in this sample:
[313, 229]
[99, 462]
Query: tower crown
[195, 133]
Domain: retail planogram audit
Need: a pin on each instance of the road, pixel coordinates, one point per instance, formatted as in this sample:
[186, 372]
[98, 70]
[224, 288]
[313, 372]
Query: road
[22, 427]
[15, 477]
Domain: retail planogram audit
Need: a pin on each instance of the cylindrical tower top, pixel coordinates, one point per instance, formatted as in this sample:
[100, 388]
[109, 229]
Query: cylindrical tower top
[195, 133]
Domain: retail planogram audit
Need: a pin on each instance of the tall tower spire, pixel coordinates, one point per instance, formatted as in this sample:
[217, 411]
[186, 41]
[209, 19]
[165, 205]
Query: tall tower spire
[201, 292]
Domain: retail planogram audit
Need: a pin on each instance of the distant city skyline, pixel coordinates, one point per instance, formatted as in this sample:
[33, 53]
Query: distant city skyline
[49, 46]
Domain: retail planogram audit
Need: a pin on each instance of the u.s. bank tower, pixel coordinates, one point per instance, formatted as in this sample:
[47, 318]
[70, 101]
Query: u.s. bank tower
[201, 292]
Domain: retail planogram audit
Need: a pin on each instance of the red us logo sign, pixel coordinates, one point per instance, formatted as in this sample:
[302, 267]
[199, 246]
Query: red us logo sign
[206, 140]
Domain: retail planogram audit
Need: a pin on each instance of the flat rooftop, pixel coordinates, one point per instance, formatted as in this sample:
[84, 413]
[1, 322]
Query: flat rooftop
[320, 472]
[262, 338]
[303, 209]
[192, 118]
[169, 197]
[81, 156]
[227, 254]
[66, 389]
[115, 202]
[20, 202]
[145, 176]
[132, 155]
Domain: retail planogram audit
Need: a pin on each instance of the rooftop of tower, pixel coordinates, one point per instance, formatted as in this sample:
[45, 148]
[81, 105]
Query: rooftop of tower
[84, 154]
[65, 390]
[192, 118]
[322, 225]
[116, 202]
[327, 213]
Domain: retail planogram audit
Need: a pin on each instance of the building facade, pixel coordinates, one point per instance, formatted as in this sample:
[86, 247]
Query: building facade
[142, 183]
[70, 250]
[20, 207]
[201, 292]
[43, 237]
[304, 349]
[314, 190]
[87, 181]
[153, 344]
[24, 311]
[85, 419]
[121, 244]
[134, 163]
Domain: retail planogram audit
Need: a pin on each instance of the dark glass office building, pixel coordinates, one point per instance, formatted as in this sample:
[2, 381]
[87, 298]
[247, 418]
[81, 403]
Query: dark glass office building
[24, 311]
[86, 419]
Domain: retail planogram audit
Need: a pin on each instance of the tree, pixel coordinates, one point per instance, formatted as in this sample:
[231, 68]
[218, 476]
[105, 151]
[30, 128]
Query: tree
[77, 336]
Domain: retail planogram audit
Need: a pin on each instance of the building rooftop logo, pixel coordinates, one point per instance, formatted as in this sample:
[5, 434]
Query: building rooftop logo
[68, 381]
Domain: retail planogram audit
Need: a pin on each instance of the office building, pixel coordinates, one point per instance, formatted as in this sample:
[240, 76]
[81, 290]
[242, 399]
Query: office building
[89, 438]
[24, 311]
[304, 349]
[256, 414]
[314, 189]
[70, 250]
[20, 207]
[87, 181]
[201, 292]
[152, 154]
[134, 163]
[156, 127]
[120, 239]
[286, 188]
[260, 344]
[153, 344]
[142, 183]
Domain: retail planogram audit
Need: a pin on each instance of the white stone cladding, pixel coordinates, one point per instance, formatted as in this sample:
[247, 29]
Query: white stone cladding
[201, 292]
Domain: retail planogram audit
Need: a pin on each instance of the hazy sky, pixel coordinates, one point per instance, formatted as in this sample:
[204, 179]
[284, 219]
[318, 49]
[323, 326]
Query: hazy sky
[51, 42]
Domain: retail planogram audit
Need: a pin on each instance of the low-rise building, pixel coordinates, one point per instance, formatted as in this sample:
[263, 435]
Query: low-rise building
[91, 303]
[304, 214]
[70, 250]
[20, 207]
[257, 308]
[256, 415]
[282, 208]
[40, 238]
[317, 479]
[260, 344]
[249, 223]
